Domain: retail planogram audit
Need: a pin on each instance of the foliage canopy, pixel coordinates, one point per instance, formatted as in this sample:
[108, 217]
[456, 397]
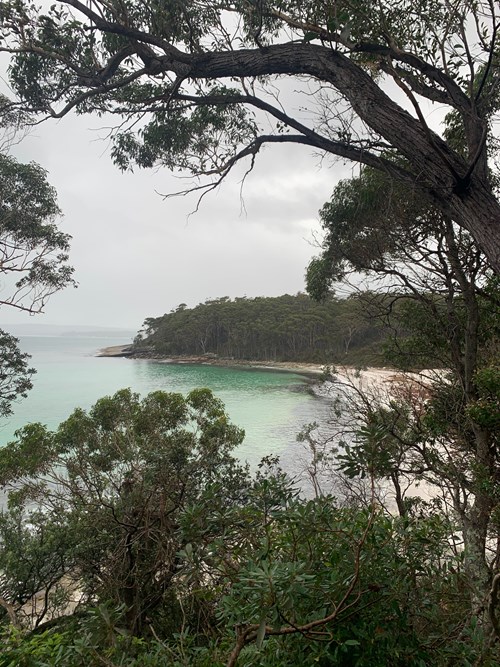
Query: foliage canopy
[33, 252]
[196, 85]
[180, 555]
[31, 247]
[284, 328]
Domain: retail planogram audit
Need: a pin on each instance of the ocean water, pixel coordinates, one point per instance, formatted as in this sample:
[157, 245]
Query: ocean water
[271, 406]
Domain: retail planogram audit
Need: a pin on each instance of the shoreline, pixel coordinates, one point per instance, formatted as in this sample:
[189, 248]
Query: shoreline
[300, 368]
[370, 375]
[114, 351]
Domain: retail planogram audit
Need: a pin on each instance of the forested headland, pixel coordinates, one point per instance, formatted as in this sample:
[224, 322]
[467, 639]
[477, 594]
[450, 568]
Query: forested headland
[283, 328]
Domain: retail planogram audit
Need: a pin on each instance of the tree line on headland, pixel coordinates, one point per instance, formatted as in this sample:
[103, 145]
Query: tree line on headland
[283, 328]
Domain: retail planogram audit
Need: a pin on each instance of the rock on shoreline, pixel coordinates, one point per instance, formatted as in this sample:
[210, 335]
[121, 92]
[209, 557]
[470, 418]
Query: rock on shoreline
[115, 351]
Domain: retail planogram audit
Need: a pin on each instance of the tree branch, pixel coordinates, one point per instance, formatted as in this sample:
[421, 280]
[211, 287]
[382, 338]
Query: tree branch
[127, 31]
[457, 98]
[493, 601]
[11, 613]
[309, 136]
[250, 633]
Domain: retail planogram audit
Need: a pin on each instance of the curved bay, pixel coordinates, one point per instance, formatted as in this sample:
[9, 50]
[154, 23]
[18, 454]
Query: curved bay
[271, 406]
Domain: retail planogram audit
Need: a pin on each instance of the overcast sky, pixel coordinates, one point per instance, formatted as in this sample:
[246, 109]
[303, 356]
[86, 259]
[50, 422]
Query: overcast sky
[137, 255]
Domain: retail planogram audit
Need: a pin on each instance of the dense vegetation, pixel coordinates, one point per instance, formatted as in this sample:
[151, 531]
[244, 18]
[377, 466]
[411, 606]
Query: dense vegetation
[132, 535]
[179, 556]
[282, 328]
[148, 543]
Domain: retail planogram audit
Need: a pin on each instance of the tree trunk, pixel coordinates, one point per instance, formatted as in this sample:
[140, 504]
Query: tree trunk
[439, 172]
[476, 568]
[478, 211]
[475, 522]
[458, 187]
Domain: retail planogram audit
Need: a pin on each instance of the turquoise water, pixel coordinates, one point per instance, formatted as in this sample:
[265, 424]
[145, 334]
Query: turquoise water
[270, 406]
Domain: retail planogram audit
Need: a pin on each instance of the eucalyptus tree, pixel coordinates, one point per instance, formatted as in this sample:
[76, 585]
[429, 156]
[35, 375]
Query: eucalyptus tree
[196, 85]
[442, 291]
[110, 499]
[33, 251]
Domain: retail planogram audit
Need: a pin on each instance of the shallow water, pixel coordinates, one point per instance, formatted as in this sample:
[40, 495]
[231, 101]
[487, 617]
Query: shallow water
[271, 406]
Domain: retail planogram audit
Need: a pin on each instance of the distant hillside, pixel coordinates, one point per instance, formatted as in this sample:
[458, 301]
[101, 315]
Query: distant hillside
[281, 328]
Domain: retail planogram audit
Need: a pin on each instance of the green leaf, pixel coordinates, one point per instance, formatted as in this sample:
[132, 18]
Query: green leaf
[261, 633]
[309, 36]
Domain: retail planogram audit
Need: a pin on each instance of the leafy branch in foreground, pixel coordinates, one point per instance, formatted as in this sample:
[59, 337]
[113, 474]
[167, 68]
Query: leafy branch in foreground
[180, 555]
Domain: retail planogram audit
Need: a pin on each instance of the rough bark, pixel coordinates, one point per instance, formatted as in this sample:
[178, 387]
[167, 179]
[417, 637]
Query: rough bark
[474, 526]
[440, 172]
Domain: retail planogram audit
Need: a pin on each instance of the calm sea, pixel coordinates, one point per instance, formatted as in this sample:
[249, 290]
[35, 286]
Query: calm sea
[271, 406]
